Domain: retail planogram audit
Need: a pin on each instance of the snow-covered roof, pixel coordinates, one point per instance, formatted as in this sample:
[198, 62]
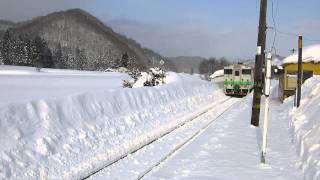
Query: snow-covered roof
[217, 74]
[309, 54]
[277, 61]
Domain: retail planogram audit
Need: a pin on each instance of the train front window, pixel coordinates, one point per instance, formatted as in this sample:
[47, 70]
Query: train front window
[236, 73]
[246, 71]
[228, 71]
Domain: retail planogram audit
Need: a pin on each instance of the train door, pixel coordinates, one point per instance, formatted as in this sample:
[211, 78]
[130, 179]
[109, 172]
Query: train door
[236, 80]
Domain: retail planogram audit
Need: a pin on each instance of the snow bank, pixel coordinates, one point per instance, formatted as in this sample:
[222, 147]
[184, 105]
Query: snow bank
[309, 54]
[305, 126]
[68, 137]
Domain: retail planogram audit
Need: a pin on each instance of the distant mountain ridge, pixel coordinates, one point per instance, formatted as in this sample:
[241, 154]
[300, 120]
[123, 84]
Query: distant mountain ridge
[76, 29]
[4, 24]
[187, 64]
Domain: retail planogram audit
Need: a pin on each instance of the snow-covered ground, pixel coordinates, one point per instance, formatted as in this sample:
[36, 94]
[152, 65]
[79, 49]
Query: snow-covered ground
[71, 135]
[23, 84]
[230, 150]
[137, 164]
[60, 124]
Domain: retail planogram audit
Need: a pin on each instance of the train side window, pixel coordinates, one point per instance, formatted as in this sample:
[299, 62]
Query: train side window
[236, 73]
[246, 71]
[228, 71]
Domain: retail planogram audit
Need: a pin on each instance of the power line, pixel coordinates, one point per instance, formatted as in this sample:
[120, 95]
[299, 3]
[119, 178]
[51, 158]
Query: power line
[274, 26]
[276, 31]
[306, 38]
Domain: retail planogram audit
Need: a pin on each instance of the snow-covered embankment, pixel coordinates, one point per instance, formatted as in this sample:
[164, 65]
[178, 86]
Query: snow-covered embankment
[69, 137]
[305, 127]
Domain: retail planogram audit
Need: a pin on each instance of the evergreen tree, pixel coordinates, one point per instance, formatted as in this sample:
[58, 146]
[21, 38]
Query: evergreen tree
[43, 55]
[59, 60]
[20, 58]
[7, 47]
[1, 57]
[192, 71]
[32, 52]
[81, 59]
[124, 60]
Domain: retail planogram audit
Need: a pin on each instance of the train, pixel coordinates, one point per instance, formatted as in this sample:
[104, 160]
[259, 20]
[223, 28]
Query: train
[238, 80]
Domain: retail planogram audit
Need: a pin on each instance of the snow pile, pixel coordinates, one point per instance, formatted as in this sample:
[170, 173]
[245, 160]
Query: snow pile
[305, 125]
[66, 138]
[217, 74]
[155, 76]
[309, 54]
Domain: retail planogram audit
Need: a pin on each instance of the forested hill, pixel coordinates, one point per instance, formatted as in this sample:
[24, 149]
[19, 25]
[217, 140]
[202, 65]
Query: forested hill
[71, 39]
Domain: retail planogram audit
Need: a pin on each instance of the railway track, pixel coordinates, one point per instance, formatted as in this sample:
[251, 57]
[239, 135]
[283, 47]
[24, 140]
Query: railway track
[172, 151]
[188, 140]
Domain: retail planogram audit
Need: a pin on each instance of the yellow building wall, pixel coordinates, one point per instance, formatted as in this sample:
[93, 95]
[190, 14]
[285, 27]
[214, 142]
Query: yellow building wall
[315, 67]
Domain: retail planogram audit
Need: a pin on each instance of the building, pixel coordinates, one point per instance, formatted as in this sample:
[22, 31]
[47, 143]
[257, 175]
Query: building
[310, 67]
[218, 78]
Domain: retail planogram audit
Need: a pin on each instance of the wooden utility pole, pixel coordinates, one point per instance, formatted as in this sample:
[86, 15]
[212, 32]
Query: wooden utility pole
[299, 70]
[259, 60]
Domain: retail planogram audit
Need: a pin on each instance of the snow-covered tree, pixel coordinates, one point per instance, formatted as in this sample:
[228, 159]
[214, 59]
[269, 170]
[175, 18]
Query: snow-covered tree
[81, 59]
[43, 56]
[7, 48]
[58, 58]
[155, 76]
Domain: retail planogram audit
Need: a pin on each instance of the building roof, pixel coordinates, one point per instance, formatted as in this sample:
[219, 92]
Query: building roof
[309, 54]
[217, 74]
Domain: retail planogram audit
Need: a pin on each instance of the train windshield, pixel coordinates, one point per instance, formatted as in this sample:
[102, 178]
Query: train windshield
[228, 71]
[236, 73]
[246, 71]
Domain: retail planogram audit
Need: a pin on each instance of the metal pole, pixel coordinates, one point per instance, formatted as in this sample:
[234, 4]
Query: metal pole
[266, 107]
[299, 70]
[260, 57]
[295, 98]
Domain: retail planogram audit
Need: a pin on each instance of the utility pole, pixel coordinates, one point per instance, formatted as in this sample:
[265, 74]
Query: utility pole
[266, 107]
[299, 70]
[260, 57]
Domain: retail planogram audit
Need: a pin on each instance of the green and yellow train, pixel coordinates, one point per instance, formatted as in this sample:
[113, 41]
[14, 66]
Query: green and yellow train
[238, 80]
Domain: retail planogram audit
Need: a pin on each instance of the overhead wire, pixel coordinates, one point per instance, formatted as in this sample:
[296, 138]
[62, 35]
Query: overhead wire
[277, 31]
[274, 27]
[297, 35]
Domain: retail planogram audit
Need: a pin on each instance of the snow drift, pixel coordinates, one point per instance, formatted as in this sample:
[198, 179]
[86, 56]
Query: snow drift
[68, 137]
[305, 127]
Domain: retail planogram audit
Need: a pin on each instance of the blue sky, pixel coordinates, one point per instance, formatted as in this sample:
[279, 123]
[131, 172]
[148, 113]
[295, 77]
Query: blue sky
[189, 27]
